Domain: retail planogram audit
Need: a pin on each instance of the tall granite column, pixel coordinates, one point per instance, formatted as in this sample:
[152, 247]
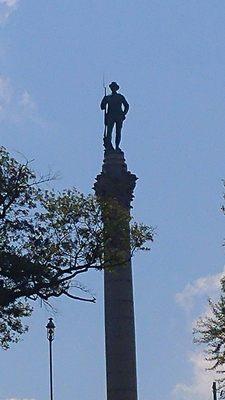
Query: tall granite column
[115, 182]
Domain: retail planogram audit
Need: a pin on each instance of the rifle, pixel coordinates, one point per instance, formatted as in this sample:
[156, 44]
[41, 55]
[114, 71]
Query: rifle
[104, 86]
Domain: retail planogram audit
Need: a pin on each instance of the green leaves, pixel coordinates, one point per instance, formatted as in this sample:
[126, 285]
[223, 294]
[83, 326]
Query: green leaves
[140, 235]
[10, 322]
[210, 331]
[47, 238]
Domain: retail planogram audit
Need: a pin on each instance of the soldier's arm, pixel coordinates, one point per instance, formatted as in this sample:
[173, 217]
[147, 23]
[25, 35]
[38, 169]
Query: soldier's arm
[126, 105]
[103, 103]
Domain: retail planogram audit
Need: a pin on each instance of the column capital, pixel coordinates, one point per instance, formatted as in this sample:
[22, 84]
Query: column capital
[115, 181]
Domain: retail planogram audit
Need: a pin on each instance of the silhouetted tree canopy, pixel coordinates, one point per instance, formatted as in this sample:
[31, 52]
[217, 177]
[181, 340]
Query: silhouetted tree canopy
[46, 240]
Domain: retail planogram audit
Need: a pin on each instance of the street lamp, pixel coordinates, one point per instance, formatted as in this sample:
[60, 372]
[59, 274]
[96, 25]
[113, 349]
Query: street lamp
[214, 391]
[50, 336]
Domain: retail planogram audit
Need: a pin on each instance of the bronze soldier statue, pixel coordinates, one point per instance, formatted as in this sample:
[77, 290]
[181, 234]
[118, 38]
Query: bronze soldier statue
[116, 107]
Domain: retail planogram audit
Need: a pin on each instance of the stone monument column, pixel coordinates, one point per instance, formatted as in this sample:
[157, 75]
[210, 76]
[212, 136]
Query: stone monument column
[117, 183]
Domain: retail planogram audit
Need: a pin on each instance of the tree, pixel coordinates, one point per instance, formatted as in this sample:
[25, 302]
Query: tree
[210, 331]
[46, 240]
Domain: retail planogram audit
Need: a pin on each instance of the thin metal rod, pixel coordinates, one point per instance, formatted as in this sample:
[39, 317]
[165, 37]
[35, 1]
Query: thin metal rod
[214, 391]
[51, 369]
[104, 86]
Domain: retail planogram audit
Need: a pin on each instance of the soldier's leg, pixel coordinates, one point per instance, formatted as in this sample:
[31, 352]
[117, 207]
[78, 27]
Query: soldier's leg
[109, 132]
[119, 125]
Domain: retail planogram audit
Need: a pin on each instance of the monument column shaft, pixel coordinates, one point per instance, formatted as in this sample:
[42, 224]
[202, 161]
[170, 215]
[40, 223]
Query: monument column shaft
[116, 183]
[120, 334]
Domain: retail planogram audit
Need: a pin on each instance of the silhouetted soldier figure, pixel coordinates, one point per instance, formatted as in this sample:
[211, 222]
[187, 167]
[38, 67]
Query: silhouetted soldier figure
[116, 107]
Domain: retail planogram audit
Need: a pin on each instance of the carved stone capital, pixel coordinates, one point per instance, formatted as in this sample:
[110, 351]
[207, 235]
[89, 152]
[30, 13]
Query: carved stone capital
[115, 181]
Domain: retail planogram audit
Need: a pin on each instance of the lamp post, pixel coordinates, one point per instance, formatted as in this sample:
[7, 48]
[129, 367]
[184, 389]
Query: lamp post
[50, 336]
[214, 391]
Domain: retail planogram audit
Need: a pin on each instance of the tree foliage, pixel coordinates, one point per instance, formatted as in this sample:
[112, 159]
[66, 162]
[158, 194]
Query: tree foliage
[47, 239]
[210, 331]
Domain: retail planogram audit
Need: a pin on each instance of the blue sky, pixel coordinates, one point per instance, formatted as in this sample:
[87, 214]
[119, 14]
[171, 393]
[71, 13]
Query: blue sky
[169, 59]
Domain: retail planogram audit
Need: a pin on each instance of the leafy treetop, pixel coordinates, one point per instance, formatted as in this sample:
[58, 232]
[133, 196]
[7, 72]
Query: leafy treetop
[47, 239]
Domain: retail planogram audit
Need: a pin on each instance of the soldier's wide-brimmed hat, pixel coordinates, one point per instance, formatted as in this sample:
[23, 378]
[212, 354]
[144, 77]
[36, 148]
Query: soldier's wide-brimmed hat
[114, 85]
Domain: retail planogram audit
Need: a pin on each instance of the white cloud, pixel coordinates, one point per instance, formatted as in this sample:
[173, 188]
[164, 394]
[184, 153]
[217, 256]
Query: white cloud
[207, 285]
[17, 398]
[16, 105]
[27, 110]
[6, 92]
[27, 102]
[190, 299]
[10, 3]
[201, 386]
[7, 7]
